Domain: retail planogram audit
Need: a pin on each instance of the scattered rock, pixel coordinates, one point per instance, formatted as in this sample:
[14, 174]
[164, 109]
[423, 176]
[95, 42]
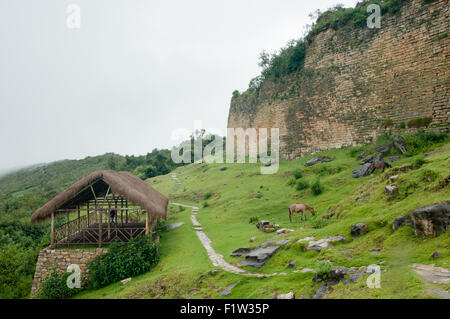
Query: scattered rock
[227, 291]
[401, 221]
[359, 229]
[383, 149]
[362, 171]
[193, 292]
[292, 264]
[317, 160]
[338, 273]
[436, 255]
[431, 221]
[273, 296]
[393, 178]
[321, 292]
[391, 190]
[399, 143]
[125, 281]
[265, 226]
[393, 159]
[287, 296]
[173, 226]
[352, 278]
[371, 269]
[375, 252]
[305, 239]
[318, 245]
[259, 256]
[368, 159]
[252, 239]
[240, 252]
[307, 270]
[223, 169]
[200, 277]
[214, 272]
[282, 231]
[360, 199]
[361, 155]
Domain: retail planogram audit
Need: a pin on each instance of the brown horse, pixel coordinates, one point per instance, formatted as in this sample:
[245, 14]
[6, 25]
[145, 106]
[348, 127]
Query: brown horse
[297, 208]
[379, 164]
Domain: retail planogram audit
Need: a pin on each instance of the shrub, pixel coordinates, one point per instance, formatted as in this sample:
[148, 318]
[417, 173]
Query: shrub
[419, 122]
[301, 185]
[407, 189]
[402, 125]
[181, 208]
[55, 286]
[418, 162]
[291, 181]
[205, 204]
[316, 188]
[123, 260]
[422, 141]
[297, 174]
[253, 219]
[318, 223]
[323, 270]
[388, 123]
[429, 175]
[207, 196]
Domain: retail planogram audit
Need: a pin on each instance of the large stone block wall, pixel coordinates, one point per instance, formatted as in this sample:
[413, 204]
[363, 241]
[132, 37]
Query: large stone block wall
[61, 259]
[355, 78]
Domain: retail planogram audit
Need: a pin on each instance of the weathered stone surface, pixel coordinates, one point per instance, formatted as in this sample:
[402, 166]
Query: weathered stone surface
[431, 221]
[317, 160]
[401, 221]
[395, 73]
[362, 171]
[125, 281]
[359, 229]
[391, 189]
[323, 243]
[287, 296]
[259, 256]
[352, 278]
[61, 259]
[394, 159]
[227, 291]
[292, 264]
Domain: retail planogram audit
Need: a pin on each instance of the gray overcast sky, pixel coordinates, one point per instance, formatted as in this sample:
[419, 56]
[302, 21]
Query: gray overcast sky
[134, 72]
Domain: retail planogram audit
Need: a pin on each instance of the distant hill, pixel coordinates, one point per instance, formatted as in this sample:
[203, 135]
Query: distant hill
[25, 190]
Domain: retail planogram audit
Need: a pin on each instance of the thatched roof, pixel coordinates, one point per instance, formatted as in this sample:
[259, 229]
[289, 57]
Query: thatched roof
[121, 183]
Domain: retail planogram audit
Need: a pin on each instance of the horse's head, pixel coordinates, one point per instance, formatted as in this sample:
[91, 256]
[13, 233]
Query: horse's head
[313, 212]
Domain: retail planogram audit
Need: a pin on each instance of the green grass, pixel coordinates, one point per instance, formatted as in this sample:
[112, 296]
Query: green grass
[235, 201]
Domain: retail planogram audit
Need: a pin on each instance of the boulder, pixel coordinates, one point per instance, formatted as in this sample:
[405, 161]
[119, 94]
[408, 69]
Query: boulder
[252, 239]
[431, 221]
[318, 245]
[393, 159]
[393, 178]
[368, 159]
[401, 221]
[125, 281]
[352, 278]
[256, 257]
[391, 189]
[282, 231]
[399, 143]
[223, 169]
[436, 255]
[362, 171]
[227, 290]
[359, 229]
[292, 264]
[317, 160]
[338, 273]
[321, 292]
[262, 224]
[384, 149]
[287, 296]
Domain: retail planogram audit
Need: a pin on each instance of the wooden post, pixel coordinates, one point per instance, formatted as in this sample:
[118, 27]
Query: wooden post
[67, 226]
[109, 226]
[126, 212]
[79, 226]
[100, 233]
[52, 232]
[121, 211]
[147, 223]
[87, 208]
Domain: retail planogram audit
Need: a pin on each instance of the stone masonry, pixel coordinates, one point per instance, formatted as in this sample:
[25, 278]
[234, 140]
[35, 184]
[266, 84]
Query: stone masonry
[61, 259]
[354, 79]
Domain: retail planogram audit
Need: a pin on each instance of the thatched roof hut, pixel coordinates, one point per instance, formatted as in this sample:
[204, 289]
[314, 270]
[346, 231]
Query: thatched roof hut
[120, 183]
[103, 188]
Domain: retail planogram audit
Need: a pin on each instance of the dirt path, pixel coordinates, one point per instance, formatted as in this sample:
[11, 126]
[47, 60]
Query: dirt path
[432, 275]
[216, 258]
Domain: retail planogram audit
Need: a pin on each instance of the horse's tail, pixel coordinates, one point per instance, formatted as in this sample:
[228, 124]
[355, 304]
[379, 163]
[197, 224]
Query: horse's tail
[290, 215]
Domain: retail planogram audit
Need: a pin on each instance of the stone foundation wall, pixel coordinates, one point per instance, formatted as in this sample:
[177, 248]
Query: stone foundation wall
[354, 79]
[61, 259]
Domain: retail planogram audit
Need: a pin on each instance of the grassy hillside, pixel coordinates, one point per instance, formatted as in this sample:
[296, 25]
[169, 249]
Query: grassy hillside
[230, 198]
